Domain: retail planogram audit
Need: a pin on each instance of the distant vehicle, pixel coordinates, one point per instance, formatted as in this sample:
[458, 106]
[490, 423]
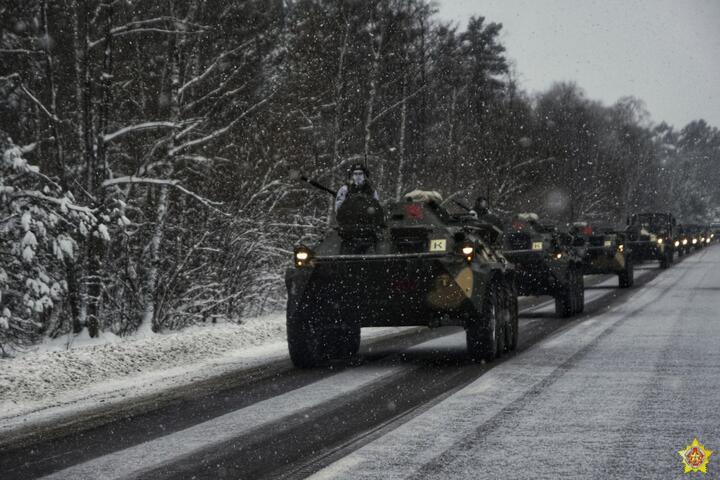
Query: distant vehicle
[546, 262]
[683, 240]
[696, 235]
[652, 237]
[714, 232]
[605, 252]
[418, 264]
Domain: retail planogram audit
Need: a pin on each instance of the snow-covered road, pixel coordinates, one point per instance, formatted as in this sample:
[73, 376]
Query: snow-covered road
[617, 396]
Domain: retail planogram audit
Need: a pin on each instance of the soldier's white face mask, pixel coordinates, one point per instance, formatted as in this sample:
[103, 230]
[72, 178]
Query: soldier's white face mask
[358, 177]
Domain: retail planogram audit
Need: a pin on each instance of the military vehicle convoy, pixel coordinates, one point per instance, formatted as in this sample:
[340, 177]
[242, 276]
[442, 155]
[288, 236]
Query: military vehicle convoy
[546, 263]
[651, 236]
[421, 262]
[606, 252]
[416, 263]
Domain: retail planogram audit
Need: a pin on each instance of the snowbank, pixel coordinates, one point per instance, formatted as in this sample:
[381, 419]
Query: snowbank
[71, 375]
[78, 364]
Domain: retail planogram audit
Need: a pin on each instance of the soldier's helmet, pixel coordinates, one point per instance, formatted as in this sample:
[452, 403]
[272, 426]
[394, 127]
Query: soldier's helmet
[358, 167]
[481, 205]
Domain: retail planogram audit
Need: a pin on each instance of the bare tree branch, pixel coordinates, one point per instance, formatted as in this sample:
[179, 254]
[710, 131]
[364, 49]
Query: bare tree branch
[109, 137]
[160, 181]
[217, 133]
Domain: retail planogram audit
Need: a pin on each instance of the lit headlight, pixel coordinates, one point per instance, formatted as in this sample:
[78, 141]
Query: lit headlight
[467, 250]
[302, 256]
[707, 240]
[684, 242]
[694, 241]
[660, 241]
[558, 256]
[621, 248]
[677, 243]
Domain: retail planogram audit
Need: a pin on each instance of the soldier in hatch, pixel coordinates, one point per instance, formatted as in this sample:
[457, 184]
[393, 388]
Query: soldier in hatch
[481, 210]
[358, 183]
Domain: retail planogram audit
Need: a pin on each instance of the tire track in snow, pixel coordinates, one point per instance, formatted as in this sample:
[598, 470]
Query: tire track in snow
[140, 458]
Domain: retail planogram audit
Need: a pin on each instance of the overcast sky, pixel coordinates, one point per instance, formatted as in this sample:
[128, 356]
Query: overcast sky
[665, 52]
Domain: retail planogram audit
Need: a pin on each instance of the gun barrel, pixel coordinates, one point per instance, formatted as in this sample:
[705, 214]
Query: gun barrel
[318, 185]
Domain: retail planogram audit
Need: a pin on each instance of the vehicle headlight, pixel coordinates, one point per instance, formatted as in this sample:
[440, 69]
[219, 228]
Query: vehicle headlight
[558, 256]
[467, 250]
[707, 240]
[621, 248]
[684, 242]
[303, 256]
[694, 241]
[660, 241]
[677, 243]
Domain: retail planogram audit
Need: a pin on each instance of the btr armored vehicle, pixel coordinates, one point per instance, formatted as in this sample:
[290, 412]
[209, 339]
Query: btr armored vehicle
[651, 236]
[605, 252]
[546, 263]
[414, 262]
[699, 236]
[683, 240]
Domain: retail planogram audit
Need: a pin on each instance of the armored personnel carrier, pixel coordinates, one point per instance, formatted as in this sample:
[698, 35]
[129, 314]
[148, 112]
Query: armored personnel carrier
[605, 252]
[652, 237]
[683, 240]
[408, 263]
[546, 263]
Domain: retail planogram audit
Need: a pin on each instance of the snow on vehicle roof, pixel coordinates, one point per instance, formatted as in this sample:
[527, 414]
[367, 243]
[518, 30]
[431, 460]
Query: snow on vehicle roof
[528, 217]
[425, 196]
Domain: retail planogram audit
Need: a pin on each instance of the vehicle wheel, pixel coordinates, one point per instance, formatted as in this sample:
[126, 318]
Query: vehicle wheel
[500, 338]
[482, 333]
[665, 261]
[627, 276]
[306, 341]
[565, 297]
[511, 340]
[580, 285]
[318, 336]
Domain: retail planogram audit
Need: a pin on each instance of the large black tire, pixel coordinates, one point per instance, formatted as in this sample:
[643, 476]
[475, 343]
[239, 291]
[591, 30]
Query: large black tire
[566, 296]
[306, 343]
[580, 290]
[317, 338]
[666, 260]
[626, 278]
[512, 328]
[500, 337]
[482, 333]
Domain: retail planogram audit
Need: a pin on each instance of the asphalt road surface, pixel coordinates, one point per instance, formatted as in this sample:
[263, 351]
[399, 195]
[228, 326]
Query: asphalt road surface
[615, 392]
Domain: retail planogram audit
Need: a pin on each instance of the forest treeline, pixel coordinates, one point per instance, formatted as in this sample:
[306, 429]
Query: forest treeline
[150, 150]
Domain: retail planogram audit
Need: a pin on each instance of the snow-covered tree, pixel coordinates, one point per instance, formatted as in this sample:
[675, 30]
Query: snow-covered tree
[40, 227]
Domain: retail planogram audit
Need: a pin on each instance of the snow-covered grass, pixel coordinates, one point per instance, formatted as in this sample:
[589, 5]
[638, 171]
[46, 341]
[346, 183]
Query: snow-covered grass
[62, 377]
[74, 367]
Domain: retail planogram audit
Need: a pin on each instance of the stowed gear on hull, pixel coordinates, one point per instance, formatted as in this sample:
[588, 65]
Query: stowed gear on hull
[417, 265]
